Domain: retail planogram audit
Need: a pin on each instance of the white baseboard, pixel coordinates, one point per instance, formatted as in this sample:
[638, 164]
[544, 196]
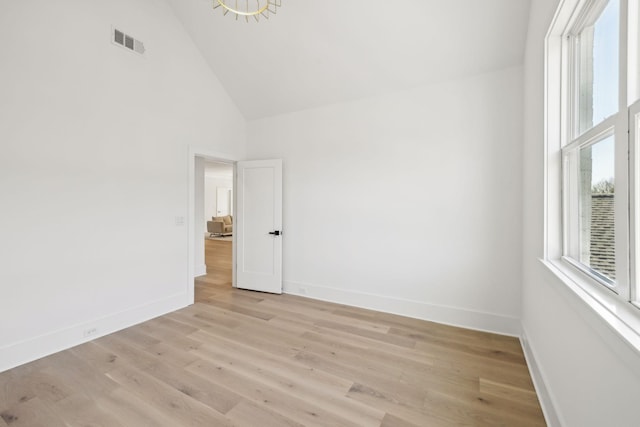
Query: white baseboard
[544, 396]
[455, 316]
[200, 270]
[35, 348]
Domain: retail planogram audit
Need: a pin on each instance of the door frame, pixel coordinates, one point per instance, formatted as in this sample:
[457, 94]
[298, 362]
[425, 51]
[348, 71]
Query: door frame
[214, 156]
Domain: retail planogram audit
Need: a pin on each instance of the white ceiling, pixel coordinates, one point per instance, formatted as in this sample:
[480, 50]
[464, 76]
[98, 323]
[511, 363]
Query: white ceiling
[318, 52]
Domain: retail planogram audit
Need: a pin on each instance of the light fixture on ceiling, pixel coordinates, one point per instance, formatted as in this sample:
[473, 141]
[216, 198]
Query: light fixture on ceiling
[248, 8]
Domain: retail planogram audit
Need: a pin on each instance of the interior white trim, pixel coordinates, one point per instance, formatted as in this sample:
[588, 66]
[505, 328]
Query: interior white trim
[455, 316]
[545, 397]
[32, 349]
[200, 270]
[616, 315]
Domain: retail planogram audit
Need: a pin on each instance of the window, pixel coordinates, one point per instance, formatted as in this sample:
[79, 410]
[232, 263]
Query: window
[593, 149]
[592, 119]
[594, 220]
[595, 58]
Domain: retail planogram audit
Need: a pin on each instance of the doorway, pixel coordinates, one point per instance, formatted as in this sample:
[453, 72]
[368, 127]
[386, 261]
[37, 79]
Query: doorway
[256, 245]
[210, 258]
[218, 231]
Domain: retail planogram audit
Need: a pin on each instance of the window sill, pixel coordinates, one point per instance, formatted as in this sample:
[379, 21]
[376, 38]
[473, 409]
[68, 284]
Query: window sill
[620, 316]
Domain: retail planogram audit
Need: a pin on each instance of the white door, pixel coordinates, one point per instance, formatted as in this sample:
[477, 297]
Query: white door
[259, 225]
[223, 201]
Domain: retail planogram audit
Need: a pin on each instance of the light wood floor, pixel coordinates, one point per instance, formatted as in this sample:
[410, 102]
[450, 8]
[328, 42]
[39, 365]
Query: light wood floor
[251, 359]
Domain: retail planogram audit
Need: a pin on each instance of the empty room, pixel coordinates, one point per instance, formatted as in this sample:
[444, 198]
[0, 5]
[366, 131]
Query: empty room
[302, 213]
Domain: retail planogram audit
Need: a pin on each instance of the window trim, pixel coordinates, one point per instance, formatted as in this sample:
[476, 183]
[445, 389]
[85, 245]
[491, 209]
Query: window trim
[621, 318]
[634, 188]
[618, 311]
[591, 274]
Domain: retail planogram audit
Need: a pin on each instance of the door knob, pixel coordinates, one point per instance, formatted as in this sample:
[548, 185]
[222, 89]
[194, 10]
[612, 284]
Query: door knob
[275, 233]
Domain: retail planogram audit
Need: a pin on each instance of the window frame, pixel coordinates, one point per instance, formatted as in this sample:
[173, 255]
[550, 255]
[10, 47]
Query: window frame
[570, 205]
[634, 188]
[573, 139]
[616, 305]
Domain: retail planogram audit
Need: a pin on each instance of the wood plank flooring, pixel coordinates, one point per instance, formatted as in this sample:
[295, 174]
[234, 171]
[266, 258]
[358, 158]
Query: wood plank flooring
[251, 359]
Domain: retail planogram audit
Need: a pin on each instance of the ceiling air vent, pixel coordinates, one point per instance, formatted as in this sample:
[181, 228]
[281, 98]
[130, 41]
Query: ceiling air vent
[126, 41]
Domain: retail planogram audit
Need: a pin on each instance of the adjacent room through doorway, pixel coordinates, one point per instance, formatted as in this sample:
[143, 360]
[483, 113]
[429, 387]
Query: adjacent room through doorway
[218, 228]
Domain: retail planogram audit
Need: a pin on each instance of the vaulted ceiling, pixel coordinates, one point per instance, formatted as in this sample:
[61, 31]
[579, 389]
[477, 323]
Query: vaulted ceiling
[314, 52]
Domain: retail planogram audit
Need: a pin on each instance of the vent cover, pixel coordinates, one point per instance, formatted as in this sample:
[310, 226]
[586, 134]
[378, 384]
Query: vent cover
[127, 42]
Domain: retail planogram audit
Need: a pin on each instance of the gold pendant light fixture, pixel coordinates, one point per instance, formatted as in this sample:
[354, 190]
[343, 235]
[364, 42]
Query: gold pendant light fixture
[248, 8]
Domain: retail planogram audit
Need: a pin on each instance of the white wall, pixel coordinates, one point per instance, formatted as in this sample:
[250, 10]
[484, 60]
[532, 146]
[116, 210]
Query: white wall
[409, 202]
[592, 378]
[93, 170]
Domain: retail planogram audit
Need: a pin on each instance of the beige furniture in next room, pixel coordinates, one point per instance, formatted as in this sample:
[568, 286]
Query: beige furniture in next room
[220, 226]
